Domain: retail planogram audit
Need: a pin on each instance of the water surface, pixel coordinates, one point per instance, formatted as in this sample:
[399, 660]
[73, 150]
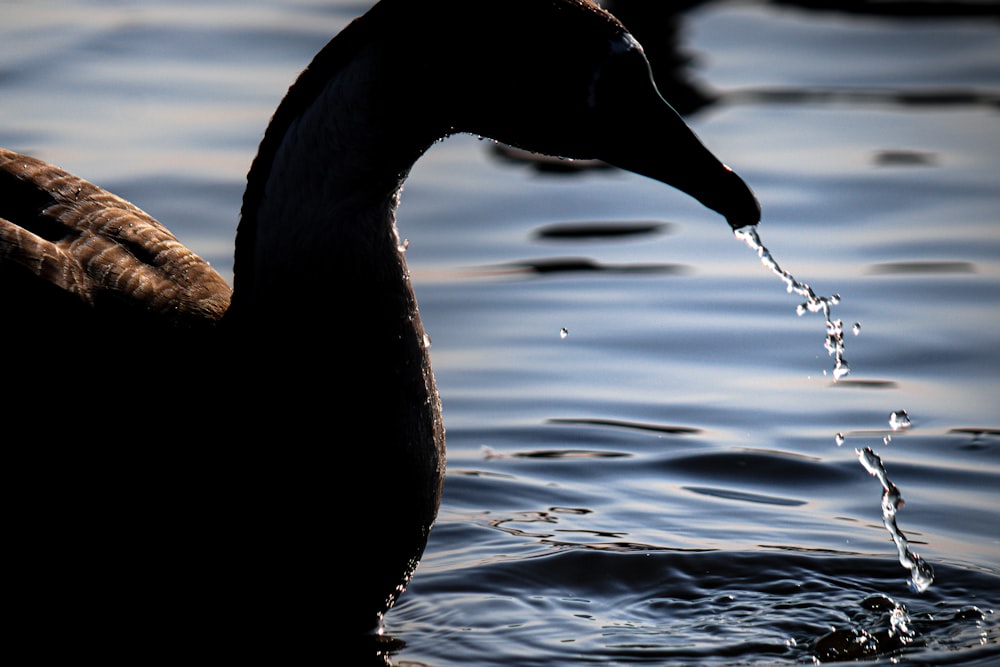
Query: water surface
[643, 457]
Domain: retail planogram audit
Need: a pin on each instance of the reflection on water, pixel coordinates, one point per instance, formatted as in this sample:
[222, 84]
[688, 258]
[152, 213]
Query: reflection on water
[659, 486]
[946, 97]
[922, 267]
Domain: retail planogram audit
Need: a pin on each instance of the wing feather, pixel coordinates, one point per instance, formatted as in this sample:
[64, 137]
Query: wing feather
[68, 244]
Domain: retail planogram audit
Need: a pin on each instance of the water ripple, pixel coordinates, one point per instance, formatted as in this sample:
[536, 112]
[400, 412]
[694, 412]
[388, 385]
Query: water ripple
[743, 496]
[618, 423]
[587, 231]
[713, 608]
[553, 265]
[896, 268]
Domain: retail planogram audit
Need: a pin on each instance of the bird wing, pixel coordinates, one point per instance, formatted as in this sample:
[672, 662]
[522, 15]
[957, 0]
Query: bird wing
[67, 245]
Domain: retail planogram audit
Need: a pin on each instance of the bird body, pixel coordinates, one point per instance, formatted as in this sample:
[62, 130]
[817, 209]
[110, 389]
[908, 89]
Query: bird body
[285, 438]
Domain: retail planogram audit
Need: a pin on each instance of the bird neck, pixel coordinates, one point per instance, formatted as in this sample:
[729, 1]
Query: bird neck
[319, 212]
[321, 289]
[322, 299]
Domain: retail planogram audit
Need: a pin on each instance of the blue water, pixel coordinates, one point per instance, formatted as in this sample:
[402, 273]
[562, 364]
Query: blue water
[661, 482]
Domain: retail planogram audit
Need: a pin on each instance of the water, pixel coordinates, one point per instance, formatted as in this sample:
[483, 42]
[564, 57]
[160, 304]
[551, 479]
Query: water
[892, 500]
[663, 484]
[813, 303]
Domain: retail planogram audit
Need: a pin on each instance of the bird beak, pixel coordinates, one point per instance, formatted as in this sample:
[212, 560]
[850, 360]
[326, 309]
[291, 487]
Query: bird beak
[664, 148]
[641, 132]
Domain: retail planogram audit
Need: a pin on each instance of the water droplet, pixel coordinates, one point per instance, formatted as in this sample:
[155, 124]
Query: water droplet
[899, 420]
[563, 332]
[839, 439]
[403, 245]
[490, 453]
[887, 439]
[857, 328]
[427, 341]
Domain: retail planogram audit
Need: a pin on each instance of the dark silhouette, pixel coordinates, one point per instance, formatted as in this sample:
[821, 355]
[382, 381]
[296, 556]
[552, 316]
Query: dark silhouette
[261, 468]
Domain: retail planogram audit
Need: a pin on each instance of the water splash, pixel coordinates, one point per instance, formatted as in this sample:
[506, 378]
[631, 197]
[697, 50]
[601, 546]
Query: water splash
[922, 574]
[834, 328]
[899, 420]
[861, 643]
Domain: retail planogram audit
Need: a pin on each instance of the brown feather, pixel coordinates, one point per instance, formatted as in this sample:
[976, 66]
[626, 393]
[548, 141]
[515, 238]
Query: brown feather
[69, 248]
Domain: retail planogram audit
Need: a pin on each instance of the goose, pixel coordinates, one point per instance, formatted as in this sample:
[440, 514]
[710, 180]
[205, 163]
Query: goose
[274, 453]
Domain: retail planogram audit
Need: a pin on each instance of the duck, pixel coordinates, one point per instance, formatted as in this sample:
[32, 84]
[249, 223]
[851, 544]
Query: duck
[273, 454]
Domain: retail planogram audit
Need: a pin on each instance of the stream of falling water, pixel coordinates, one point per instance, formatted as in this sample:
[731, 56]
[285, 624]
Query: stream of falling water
[922, 574]
[813, 304]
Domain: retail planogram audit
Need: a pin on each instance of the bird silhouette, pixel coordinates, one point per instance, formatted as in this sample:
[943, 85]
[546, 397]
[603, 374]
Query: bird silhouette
[214, 463]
